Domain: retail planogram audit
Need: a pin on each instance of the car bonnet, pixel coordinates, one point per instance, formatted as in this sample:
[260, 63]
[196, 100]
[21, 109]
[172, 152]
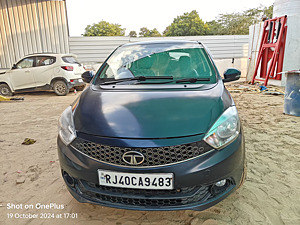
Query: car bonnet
[150, 114]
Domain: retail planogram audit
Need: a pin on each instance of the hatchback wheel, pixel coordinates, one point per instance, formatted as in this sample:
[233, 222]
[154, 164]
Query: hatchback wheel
[5, 90]
[60, 88]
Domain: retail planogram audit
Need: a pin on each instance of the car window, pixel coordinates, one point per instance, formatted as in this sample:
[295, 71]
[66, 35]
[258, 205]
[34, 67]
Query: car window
[70, 59]
[45, 60]
[176, 55]
[179, 61]
[25, 63]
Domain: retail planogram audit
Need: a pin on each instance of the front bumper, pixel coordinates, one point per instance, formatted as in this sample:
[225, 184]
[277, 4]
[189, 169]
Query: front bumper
[193, 180]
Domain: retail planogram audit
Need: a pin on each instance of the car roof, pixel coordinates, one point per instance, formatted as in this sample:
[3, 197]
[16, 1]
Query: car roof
[163, 42]
[50, 54]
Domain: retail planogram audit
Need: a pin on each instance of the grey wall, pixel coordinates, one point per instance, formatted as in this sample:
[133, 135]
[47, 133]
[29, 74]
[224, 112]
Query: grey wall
[96, 49]
[31, 26]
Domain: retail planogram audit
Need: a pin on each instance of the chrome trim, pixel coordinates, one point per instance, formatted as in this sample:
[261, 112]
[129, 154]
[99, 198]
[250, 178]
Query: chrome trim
[135, 158]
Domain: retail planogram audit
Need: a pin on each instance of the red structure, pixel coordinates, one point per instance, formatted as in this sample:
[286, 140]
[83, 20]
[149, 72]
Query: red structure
[271, 50]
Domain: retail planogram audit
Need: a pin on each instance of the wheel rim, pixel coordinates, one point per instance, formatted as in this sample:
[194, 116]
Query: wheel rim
[4, 91]
[60, 88]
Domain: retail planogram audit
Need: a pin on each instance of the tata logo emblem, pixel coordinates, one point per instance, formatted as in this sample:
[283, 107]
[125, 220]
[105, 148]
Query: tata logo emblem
[133, 158]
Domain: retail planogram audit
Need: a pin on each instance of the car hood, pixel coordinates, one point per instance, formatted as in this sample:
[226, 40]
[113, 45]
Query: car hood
[150, 114]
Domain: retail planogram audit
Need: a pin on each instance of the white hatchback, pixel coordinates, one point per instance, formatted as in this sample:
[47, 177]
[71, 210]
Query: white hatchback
[58, 72]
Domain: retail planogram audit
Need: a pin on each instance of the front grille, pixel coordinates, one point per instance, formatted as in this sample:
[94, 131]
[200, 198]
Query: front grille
[150, 198]
[153, 156]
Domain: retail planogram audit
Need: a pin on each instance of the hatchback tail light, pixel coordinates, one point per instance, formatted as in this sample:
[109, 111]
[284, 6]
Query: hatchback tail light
[68, 68]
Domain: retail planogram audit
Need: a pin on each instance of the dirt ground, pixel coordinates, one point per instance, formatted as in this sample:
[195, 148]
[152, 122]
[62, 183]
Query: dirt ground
[270, 195]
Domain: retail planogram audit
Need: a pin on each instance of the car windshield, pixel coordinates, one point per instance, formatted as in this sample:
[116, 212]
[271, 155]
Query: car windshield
[179, 61]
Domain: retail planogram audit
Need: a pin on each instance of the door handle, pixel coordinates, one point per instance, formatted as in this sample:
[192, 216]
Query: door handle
[27, 71]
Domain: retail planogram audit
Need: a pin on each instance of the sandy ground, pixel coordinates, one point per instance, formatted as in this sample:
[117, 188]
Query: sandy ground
[270, 195]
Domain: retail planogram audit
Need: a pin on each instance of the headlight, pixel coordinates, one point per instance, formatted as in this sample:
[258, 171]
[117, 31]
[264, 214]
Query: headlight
[66, 128]
[225, 129]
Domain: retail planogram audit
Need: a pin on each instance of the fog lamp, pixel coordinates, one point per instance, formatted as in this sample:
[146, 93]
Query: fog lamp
[221, 183]
[68, 178]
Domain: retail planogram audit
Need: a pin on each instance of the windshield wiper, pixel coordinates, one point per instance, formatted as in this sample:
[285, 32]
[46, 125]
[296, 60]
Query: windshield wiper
[192, 80]
[139, 78]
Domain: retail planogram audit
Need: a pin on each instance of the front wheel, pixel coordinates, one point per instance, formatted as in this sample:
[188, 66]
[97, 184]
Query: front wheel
[5, 90]
[60, 88]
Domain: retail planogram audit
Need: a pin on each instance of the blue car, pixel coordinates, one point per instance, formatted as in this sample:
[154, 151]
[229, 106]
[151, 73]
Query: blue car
[155, 130]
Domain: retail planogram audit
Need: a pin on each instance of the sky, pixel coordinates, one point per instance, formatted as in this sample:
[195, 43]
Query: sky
[135, 14]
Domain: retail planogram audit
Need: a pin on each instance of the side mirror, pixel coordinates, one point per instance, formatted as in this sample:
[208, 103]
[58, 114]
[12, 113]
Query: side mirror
[231, 74]
[87, 76]
[14, 67]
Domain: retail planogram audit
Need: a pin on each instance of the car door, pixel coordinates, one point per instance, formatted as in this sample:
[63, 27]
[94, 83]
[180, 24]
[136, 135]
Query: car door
[43, 71]
[21, 74]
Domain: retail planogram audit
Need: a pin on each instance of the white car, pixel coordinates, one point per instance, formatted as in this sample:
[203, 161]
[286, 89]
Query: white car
[58, 72]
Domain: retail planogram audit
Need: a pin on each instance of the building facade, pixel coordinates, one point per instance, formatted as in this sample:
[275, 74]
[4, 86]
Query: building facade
[32, 26]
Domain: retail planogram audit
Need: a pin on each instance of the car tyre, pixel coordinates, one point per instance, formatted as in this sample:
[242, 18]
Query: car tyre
[5, 90]
[80, 88]
[60, 88]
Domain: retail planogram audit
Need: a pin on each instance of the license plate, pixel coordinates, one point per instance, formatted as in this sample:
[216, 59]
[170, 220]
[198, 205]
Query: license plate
[162, 181]
[80, 80]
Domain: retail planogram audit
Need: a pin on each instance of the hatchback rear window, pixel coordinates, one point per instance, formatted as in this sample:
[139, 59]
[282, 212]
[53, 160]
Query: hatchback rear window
[70, 59]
